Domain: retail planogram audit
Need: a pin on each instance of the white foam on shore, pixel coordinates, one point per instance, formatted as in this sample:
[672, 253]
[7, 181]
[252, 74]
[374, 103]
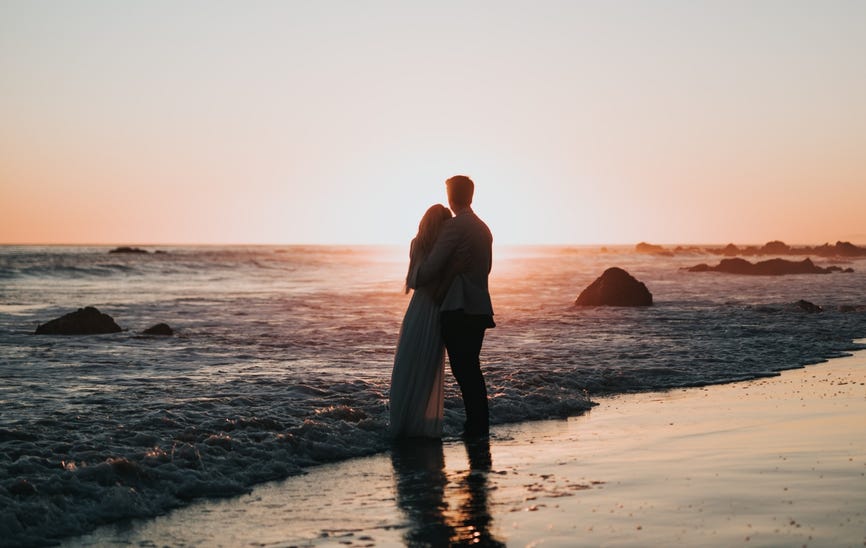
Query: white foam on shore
[778, 461]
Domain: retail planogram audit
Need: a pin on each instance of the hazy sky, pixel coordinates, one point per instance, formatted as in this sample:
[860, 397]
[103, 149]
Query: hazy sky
[338, 122]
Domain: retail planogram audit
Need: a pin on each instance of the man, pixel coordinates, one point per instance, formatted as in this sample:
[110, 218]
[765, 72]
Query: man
[464, 245]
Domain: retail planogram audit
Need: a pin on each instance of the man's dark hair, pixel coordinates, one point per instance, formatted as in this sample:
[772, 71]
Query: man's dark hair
[460, 190]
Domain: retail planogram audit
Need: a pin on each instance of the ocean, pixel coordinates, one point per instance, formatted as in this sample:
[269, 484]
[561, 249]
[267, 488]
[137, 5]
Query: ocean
[282, 359]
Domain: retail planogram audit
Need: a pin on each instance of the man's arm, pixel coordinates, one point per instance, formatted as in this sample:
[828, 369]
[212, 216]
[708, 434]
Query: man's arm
[434, 265]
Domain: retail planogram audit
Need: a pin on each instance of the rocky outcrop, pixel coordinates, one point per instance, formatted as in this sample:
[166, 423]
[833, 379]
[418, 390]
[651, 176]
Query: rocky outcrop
[159, 329]
[22, 488]
[615, 287]
[778, 248]
[127, 249]
[772, 267]
[730, 250]
[775, 248]
[652, 249]
[806, 306]
[84, 321]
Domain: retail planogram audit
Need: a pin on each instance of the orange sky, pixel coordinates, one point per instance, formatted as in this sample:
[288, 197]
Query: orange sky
[338, 122]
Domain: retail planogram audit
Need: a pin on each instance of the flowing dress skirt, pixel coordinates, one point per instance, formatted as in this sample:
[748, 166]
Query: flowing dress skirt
[417, 382]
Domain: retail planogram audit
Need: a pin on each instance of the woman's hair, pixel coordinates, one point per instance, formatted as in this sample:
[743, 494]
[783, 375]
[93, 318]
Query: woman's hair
[428, 230]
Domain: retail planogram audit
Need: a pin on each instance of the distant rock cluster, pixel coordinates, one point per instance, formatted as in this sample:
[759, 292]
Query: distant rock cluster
[772, 267]
[776, 247]
[90, 321]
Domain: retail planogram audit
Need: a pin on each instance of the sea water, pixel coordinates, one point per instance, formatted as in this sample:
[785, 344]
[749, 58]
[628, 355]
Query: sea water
[282, 359]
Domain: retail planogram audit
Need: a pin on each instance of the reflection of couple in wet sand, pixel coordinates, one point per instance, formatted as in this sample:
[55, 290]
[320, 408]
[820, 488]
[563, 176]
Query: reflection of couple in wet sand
[450, 309]
[419, 469]
[449, 261]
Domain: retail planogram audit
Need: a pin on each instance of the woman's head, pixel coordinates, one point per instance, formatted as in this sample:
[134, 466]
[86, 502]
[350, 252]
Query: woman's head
[430, 224]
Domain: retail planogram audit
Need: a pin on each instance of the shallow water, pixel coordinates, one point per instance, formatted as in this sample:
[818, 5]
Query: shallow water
[283, 356]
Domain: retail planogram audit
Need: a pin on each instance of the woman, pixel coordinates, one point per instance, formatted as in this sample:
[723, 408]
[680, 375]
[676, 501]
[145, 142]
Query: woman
[417, 383]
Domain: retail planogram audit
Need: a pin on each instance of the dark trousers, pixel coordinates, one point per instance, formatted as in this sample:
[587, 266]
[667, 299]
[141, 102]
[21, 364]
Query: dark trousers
[463, 335]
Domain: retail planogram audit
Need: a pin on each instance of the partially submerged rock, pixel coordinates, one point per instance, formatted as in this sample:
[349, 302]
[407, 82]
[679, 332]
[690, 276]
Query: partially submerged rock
[22, 487]
[615, 287]
[806, 306]
[772, 267]
[84, 321]
[127, 249]
[159, 329]
[653, 249]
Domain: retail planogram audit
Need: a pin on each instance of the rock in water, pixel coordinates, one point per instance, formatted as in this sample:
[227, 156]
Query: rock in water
[22, 487]
[159, 329]
[652, 249]
[772, 267]
[806, 306]
[84, 321]
[615, 287]
[127, 249]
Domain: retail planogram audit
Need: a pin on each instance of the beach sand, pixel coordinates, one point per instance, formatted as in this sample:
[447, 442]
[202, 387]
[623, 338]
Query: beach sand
[778, 461]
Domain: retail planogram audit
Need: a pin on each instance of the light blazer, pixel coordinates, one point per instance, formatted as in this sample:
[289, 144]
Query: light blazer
[465, 240]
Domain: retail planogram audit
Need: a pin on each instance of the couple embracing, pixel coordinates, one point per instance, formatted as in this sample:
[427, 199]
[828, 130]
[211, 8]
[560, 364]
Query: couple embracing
[450, 309]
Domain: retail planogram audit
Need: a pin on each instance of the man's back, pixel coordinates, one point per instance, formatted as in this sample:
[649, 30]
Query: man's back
[466, 240]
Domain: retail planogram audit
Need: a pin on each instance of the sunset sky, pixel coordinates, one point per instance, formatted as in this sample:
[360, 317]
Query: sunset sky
[338, 122]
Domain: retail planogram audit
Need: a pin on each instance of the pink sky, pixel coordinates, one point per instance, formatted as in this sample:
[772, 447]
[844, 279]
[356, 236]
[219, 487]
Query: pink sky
[338, 122]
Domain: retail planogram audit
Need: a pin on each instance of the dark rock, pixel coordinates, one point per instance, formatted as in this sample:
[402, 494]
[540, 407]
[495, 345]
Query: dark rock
[615, 287]
[772, 267]
[841, 249]
[806, 306]
[84, 321]
[775, 248]
[22, 487]
[852, 308]
[847, 249]
[731, 250]
[644, 247]
[159, 329]
[127, 249]
[653, 249]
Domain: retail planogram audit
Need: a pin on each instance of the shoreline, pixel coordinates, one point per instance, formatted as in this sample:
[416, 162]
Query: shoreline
[769, 461]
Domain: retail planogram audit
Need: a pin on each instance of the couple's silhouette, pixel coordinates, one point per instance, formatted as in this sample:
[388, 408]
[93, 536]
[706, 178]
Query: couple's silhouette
[449, 262]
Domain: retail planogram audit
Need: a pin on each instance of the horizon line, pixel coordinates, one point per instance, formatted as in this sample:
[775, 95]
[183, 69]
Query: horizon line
[382, 244]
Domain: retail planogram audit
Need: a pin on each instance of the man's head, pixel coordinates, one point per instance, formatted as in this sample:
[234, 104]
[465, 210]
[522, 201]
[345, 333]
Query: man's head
[460, 190]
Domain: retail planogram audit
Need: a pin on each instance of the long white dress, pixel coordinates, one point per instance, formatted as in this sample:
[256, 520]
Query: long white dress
[417, 381]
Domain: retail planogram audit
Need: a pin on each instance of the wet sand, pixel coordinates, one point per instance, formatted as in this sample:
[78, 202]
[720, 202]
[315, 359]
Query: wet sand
[779, 461]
